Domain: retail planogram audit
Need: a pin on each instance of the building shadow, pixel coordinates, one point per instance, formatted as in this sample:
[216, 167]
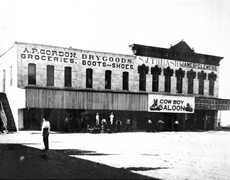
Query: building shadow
[21, 162]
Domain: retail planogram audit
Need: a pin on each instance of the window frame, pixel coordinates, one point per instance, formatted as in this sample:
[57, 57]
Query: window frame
[108, 77]
[50, 75]
[32, 74]
[68, 76]
[125, 80]
[89, 78]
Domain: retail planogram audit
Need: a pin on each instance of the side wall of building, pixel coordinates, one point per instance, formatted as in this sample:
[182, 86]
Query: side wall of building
[8, 84]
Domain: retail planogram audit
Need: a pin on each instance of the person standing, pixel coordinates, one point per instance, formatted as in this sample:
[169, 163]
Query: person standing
[111, 117]
[97, 120]
[149, 125]
[176, 125]
[45, 133]
[66, 124]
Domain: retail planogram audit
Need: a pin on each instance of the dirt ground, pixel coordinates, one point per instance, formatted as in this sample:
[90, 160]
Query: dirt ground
[134, 155]
[22, 162]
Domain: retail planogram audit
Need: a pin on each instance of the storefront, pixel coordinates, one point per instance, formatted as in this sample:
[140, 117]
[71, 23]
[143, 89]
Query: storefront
[172, 88]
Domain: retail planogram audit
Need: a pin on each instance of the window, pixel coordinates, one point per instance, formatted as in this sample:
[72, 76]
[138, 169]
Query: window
[50, 75]
[89, 78]
[191, 76]
[32, 74]
[168, 73]
[125, 81]
[212, 79]
[4, 81]
[142, 70]
[201, 77]
[156, 71]
[11, 75]
[179, 82]
[68, 76]
[107, 79]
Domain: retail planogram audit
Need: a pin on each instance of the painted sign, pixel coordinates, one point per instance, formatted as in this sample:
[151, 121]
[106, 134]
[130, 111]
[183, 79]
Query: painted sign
[175, 64]
[170, 104]
[74, 56]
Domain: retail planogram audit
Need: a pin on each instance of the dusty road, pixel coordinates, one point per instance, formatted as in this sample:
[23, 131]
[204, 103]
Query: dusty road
[165, 155]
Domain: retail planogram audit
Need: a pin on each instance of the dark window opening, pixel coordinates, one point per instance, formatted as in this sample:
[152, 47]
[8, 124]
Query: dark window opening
[179, 82]
[108, 79]
[68, 76]
[168, 73]
[125, 81]
[32, 74]
[191, 76]
[156, 71]
[50, 75]
[89, 78]
[212, 79]
[201, 77]
[142, 70]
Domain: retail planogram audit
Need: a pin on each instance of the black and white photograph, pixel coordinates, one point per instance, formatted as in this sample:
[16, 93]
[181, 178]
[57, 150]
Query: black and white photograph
[115, 89]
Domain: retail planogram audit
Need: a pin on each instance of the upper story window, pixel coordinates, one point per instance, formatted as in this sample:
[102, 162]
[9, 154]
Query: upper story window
[11, 75]
[212, 79]
[68, 76]
[168, 72]
[191, 76]
[179, 80]
[142, 70]
[89, 78]
[201, 77]
[32, 74]
[108, 79]
[125, 77]
[50, 75]
[155, 71]
[4, 80]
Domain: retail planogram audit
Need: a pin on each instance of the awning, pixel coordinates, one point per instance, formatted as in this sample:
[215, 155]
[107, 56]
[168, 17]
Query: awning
[212, 103]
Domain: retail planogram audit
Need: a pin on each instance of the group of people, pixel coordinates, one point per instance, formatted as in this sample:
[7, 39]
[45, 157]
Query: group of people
[160, 125]
[111, 124]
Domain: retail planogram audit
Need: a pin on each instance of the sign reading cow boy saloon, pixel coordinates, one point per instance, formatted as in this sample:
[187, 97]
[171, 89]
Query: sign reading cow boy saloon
[170, 104]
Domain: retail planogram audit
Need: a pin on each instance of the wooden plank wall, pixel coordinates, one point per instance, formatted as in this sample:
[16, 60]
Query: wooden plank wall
[61, 99]
[212, 103]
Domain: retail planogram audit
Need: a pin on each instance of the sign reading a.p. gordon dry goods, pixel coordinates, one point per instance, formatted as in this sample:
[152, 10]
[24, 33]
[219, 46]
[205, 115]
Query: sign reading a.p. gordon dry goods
[58, 55]
[170, 104]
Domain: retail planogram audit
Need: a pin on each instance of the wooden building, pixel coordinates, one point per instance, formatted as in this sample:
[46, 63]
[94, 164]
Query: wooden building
[71, 85]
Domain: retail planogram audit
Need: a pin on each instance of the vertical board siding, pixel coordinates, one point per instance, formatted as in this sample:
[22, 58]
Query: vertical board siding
[61, 99]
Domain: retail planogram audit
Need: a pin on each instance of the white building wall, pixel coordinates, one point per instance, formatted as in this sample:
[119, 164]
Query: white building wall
[15, 96]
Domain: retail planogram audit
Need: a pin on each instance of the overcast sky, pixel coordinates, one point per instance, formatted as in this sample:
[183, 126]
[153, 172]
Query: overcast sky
[112, 25]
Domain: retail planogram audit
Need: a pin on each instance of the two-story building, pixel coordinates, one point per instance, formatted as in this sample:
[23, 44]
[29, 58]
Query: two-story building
[167, 84]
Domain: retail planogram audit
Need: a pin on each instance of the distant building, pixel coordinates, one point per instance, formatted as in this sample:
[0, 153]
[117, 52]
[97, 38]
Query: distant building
[174, 84]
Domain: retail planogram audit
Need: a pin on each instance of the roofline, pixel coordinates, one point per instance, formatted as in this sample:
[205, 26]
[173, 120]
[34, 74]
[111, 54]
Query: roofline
[11, 47]
[219, 57]
[70, 48]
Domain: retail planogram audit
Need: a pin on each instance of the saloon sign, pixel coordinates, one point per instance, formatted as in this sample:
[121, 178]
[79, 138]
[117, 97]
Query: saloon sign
[170, 104]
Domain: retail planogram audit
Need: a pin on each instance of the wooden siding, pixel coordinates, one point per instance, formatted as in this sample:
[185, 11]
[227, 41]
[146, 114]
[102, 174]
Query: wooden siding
[212, 103]
[104, 100]
[64, 99]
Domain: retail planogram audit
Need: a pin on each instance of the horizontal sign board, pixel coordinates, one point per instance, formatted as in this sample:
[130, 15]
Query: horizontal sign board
[70, 56]
[175, 64]
[170, 104]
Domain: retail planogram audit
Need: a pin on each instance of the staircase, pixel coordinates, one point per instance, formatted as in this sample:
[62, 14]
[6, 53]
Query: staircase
[10, 119]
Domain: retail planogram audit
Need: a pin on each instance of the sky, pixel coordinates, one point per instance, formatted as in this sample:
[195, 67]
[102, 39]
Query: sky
[112, 25]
